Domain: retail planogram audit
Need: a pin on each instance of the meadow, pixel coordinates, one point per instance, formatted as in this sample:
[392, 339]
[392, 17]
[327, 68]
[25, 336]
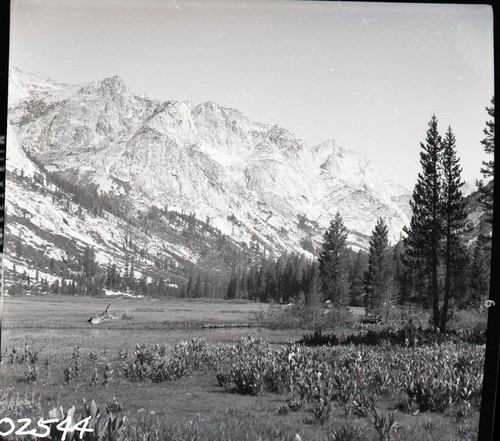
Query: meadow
[173, 380]
[73, 312]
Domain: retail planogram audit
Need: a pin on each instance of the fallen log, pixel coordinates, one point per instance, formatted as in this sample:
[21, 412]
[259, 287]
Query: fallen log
[102, 317]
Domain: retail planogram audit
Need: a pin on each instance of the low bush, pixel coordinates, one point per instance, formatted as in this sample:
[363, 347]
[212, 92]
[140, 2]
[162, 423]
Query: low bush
[347, 433]
[469, 319]
[156, 364]
[281, 317]
[26, 355]
[246, 365]
[408, 336]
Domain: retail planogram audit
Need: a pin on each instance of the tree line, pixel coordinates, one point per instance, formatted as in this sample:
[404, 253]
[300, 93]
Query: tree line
[438, 269]
[431, 268]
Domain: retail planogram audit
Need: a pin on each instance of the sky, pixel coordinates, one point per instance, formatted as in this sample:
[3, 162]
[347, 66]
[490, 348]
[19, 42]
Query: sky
[368, 75]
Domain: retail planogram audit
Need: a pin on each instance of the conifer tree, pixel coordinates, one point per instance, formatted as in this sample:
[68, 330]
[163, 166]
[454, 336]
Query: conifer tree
[19, 247]
[424, 234]
[88, 263]
[131, 275]
[478, 275]
[108, 281]
[126, 273]
[488, 169]
[400, 273]
[332, 263]
[454, 220]
[188, 290]
[198, 286]
[232, 285]
[377, 275]
[313, 310]
[357, 279]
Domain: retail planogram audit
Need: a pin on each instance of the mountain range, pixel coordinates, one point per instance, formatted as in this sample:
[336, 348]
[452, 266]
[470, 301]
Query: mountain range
[258, 185]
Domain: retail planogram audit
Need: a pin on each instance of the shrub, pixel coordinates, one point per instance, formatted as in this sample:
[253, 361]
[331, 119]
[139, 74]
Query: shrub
[94, 376]
[156, 365]
[383, 424]
[428, 397]
[17, 406]
[469, 319]
[322, 411]
[441, 377]
[247, 366]
[108, 373]
[114, 407]
[31, 374]
[27, 355]
[104, 428]
[338, 317]
[282, 317]
[195, 352]
[152, 365]
[470, 325]
[346, 433]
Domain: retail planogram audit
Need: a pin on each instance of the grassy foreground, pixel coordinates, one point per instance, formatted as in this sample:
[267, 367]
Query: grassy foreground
[223, 385]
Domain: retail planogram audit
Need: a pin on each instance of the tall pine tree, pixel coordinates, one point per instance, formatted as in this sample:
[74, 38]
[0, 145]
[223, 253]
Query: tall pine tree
[478, 276]
[377, 274]
[423, 236]
[488, 169]
[332, 264]
[454, 220]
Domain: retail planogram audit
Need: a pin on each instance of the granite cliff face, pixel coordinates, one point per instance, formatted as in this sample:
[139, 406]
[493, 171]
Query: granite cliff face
[250, 179]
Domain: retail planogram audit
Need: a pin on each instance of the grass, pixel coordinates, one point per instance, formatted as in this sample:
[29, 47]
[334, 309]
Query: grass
[71, 312]
[193, 407]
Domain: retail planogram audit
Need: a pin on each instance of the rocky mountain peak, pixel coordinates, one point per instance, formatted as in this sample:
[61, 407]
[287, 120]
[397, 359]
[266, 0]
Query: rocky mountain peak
[214, 111]
[342, 162]
[108, 88]
[253, 180]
